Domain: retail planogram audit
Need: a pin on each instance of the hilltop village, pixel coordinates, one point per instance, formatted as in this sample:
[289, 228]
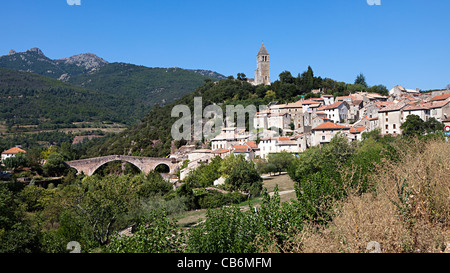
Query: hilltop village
[295, 127]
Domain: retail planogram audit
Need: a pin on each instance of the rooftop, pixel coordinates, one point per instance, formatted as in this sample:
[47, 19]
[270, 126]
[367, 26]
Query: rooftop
[14, 150]
[440, 97]
[357, 130]
[330, 126]
[263, 50]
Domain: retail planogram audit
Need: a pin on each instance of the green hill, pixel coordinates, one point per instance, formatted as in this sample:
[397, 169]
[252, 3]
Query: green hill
[143, 85]
[31, 99]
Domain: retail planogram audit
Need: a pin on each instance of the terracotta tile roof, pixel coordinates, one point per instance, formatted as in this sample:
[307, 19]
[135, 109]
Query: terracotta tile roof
[14, 150]
[331, 106]
[327, 95]
[241, 148]
[330, 126]
[201, 151]
[393, 107]
[283, 138]
[344, 97]
[252, 144]
[357, 130]
[221, 151]
[415, 107]
[311, 101]
[440, 97]
[436, 104]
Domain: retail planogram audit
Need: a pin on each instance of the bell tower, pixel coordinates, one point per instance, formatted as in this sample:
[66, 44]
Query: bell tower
[262, 72]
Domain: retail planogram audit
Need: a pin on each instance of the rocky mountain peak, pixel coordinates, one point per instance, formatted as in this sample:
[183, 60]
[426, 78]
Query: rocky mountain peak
[87, 60]
[11, 52]
[37, 50]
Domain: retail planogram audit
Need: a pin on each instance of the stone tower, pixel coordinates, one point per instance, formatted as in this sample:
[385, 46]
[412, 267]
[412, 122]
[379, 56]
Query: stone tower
[262, 72]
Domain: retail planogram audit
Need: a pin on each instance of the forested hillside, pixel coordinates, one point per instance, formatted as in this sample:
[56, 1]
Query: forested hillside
[31, 99]
[142, 85]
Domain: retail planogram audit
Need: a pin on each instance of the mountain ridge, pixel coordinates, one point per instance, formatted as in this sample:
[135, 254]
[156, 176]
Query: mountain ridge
[64, 68]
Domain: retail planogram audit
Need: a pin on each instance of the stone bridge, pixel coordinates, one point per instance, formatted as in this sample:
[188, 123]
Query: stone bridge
[145, 164]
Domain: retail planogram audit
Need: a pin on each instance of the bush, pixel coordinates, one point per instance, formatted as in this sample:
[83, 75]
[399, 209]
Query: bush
[215, 199]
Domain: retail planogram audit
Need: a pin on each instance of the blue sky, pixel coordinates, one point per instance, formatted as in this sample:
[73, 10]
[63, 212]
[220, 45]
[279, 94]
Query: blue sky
[403, 42]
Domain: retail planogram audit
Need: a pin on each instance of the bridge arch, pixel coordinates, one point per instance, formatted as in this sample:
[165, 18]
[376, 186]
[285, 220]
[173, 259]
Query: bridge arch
[145, 164]
[100, 167]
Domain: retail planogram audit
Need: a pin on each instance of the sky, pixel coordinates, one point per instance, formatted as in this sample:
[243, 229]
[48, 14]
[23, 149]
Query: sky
[404, 42]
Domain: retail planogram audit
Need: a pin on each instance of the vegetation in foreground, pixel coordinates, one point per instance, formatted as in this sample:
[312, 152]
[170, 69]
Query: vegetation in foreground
[392, 190]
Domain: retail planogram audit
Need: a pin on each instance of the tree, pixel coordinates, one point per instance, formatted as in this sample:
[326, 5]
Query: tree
[361, 80]
[433, 126]
[155, 234]
[281, 161]
[101, 201]
[270, 95]
[16, 162]
[226, 230]
[286, 77]
[245, 177]
[241, 77]
[55, 165]
[306, 81]
[413, 126]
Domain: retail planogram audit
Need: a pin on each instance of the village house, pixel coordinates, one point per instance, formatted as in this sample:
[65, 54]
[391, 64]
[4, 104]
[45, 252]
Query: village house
[416, 109]
[355, 133]
[270, 145]
[244, 150]
[327, 99]
[325, 132]
[440, 110]
[390, 118]
[279, 120]
[303, 141]
[12, 152]
[311, 104]
[369, 123]
[226, 138]
[354, 109]
[336, 112]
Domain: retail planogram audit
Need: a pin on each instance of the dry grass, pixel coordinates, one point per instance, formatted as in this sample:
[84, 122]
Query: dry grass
[412, 218]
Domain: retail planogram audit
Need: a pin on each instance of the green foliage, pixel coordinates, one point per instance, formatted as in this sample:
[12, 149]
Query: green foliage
[55, 165]
[102, 201]
[226, 230]
[361, 80]
[231, 230]
[206, 174]
[29, 96]
[16, 162]
[415, 126]
[154, 184]
[214, 199]
[155, 234]
[244, 177]
[281, 161]
[16, 233]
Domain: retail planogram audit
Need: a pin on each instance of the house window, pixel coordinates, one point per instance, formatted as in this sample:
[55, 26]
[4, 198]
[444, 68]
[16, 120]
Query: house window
[394, 125]
[323, 137]
[386, 119]
[386, 113]
[387, 126]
